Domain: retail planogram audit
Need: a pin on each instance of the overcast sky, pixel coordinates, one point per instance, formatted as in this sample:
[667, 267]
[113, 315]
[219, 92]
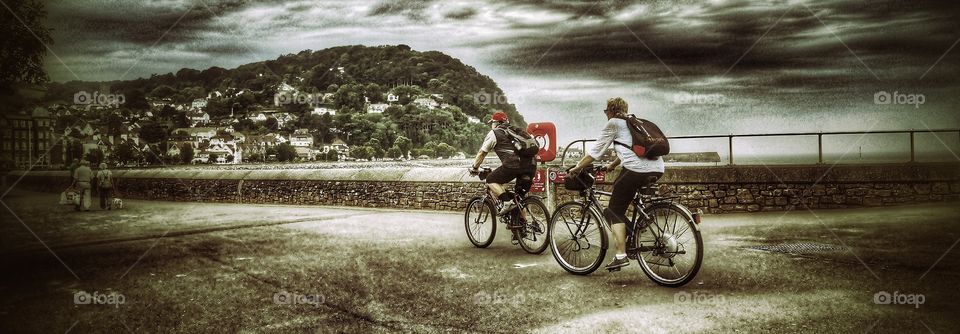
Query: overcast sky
[695, 67]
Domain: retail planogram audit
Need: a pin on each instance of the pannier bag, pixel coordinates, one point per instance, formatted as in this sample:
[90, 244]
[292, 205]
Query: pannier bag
[581, 181]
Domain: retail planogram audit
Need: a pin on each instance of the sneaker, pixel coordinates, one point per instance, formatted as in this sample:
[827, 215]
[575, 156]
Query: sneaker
[618, 263]
[507, 207]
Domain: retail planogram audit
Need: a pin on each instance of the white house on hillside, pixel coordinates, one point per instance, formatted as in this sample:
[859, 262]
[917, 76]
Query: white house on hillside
[377, 108]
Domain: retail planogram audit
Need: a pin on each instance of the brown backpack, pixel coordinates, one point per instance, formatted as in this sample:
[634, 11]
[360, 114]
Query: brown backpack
[648, 141]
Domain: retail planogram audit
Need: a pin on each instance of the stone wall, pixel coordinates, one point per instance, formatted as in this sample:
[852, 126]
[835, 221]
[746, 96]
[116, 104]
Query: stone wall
[713, 189]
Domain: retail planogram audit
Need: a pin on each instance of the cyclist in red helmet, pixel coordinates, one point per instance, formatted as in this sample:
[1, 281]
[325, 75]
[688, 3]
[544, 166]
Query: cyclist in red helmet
[512, 166]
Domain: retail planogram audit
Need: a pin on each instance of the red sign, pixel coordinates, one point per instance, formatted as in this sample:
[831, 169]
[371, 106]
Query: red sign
[539, 181]
[601, 176]
[557, 176]
[546, 134]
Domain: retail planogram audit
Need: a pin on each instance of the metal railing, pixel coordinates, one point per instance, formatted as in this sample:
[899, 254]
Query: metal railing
[912, 133]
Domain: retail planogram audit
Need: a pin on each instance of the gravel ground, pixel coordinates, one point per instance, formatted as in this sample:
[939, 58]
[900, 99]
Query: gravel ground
[216, 268]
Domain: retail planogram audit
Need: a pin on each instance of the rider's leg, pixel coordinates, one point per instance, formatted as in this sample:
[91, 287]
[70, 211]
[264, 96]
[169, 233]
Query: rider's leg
[624, 189]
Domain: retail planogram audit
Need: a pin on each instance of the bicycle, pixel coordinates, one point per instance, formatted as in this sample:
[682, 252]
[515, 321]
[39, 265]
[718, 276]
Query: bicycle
[578, 234]
[527, 222]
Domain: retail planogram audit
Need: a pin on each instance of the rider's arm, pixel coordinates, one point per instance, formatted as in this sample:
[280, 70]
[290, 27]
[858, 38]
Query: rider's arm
[603, 142]
[613, 165]
[488, 143]
[586, 161]
[479, 160]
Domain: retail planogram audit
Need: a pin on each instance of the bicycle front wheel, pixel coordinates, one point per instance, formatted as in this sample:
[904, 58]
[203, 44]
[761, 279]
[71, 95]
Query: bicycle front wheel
[533, 236]
[480, 220]
[577, 238]
[670, 247]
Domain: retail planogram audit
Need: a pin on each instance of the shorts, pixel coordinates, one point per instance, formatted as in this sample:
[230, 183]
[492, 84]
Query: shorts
[503, 175]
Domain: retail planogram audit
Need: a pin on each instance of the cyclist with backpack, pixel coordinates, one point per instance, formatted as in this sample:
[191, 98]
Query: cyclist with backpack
[516, 150]
[642, 165]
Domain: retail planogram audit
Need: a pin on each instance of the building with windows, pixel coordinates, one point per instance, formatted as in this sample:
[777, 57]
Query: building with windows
[26, 138]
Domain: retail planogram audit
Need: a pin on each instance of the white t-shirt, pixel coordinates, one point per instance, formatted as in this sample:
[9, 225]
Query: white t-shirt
[616, 129]
[489, 142]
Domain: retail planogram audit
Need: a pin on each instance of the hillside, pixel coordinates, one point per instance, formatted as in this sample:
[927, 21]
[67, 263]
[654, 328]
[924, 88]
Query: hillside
[353, 76]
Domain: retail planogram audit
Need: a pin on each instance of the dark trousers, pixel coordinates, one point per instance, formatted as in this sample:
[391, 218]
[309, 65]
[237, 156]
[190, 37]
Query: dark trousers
[105, 198]
[624, 190]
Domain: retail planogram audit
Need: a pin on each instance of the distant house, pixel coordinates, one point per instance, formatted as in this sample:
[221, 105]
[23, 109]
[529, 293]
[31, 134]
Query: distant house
[199, 104]
[301, 138]
[377, 108]
[393, 98]
[284, 87]
[195, 134]
[260, 117]
[338, 145]
[472, 119]
[426, 102]
[305, 153]
[198, 117]
[324, 109]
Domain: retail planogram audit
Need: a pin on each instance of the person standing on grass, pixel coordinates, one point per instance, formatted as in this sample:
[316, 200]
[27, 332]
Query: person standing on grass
[82, 177]
[104, 187]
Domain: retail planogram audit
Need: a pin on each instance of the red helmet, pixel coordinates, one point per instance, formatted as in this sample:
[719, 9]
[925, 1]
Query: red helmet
[499, 117]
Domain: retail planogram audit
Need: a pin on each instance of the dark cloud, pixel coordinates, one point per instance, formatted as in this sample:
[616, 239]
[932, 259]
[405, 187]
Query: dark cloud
[714, 39]
[412, 9]
[461, 14]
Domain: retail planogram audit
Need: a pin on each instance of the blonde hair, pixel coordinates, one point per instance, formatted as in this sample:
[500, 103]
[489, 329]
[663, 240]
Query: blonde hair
[617, 106]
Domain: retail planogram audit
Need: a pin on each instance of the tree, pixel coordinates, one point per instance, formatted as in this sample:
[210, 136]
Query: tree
[394, 153]
[186, 153]
[95, 157]
[361, 152]
[444, 150]
[286, 152]
[333, 155]
[404, 144]
[24, 43]
[126, 152]
[153, 133]
[272, 124]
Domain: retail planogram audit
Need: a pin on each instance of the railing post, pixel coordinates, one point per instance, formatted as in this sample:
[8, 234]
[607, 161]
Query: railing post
[820, 148]
[913, 156]
[730, 145]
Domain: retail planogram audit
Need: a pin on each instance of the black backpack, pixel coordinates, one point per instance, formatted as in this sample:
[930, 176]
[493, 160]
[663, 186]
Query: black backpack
[524, 144]
[648, 141]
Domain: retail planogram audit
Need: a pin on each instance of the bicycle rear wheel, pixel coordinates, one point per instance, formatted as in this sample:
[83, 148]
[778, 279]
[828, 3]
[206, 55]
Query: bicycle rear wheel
[533, 236]
[577, 239]
[480, 221]
[670, 248]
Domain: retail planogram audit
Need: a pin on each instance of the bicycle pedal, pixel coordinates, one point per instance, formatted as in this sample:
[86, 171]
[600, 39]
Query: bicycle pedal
[614, 269]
